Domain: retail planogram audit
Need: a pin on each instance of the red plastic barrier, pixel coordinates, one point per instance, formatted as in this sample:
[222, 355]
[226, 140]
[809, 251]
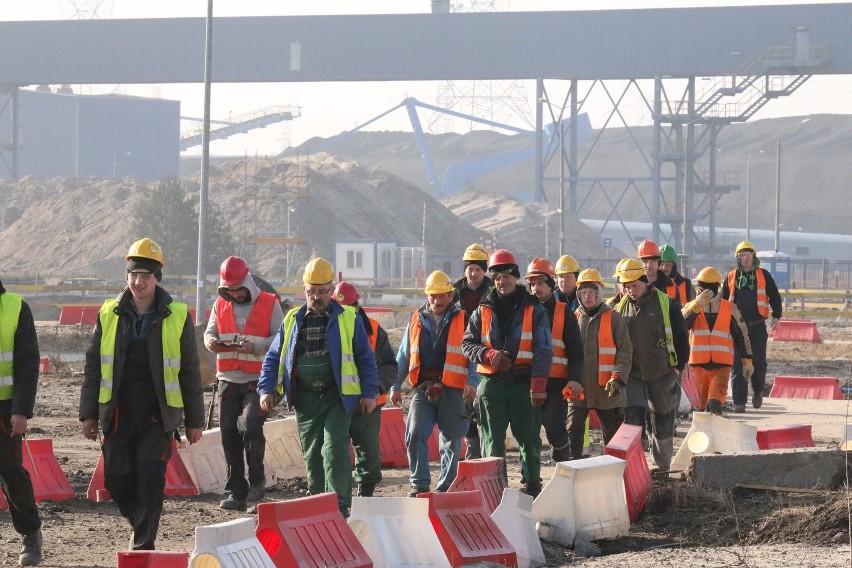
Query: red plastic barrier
[594, 421]
[465, 529]
[434, 452]
[178, 481]
[392, 438]
[780, 437]
[151, 559]
[78, 315]
[484, 475]
[690, 387]
[371, 310]
[309, 532]
[49, 481]
[627, 445]
[822, 388]
[44, 365]
[796, 330]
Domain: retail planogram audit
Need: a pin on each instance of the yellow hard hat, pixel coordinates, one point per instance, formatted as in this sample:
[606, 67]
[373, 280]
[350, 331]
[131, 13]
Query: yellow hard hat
[589, 275]
[630, 270]
[475, 252]
[567, 264]
[744, 246]
[438, 283]
[318, 271]
[709, 275]
[618, 267]
[146, 248]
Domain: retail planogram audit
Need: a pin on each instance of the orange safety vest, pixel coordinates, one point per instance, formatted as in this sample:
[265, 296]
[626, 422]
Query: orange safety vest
[716, 345]
[374, 337]
[559, 367]
[606, 348]
[454, 373]
[762, 298]
[525, 348]
[677, 291]
[256, 329]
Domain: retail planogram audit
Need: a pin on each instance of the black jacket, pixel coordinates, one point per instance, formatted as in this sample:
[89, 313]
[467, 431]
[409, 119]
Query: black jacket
[25, 359]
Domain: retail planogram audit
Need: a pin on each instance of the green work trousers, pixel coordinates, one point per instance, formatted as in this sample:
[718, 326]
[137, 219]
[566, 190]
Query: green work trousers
[364, 431]
[508, 404]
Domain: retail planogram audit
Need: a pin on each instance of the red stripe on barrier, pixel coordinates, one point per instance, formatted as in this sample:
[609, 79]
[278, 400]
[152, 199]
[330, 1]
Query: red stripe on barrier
[627, 445]
[78, 315]
[821, 388]
[796, 330]
[690, 387]
[309, 532]
[780, 437]
[392, 438]
[44, 365]
[484, 475]
[151, 559]
[49, 481]
[594, 421]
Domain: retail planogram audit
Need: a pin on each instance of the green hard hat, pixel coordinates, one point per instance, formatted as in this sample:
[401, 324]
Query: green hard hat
[668, 253]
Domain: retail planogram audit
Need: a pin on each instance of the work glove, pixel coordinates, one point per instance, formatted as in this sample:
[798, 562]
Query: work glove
[572, 393]
[748, 368]
[614, 386]
[697, 305]
[434, 392]
[538, 390]
[498, 359]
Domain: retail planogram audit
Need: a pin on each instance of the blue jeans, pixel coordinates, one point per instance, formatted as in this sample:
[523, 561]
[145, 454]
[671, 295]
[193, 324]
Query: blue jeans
[448, 412]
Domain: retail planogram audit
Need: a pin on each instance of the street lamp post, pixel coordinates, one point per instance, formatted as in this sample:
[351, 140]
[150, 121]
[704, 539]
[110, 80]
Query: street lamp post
[778, 183]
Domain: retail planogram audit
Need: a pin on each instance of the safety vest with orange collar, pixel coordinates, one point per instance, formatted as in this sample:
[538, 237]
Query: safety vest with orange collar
[559, 366]
[716, 345]
[525, 347]
[606, 347]
[677, 291]
[255, 329]
[374, 338]
[454, 373]
[762, 298]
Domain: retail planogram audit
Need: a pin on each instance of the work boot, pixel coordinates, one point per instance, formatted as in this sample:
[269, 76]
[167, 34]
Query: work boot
[714, 407]
[256, 493]
[532, 489]
[757, 399]
[233, 504]
[739, 408]
[31, 549]
[415, 491]
[366, 489]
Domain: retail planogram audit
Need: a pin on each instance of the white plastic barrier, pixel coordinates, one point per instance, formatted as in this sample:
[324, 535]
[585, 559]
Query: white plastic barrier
[205, 461]
[229, 545]
[584, 500]
[514, 519]
[396, 531]
[685, 405]
[710, 434]
[283, 449]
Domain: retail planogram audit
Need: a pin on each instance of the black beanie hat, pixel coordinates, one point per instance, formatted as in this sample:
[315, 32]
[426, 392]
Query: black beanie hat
[510, 268]
[483, 264]
[139, 263]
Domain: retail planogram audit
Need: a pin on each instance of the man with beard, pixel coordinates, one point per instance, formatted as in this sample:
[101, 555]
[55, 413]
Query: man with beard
[241, 327]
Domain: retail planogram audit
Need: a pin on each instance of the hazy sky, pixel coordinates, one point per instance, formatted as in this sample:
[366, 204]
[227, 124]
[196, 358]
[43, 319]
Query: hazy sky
[325, 112]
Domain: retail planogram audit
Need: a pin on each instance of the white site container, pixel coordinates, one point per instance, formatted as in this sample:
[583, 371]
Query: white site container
[283, 449]
[714, 434]
[232, 544]
[396, 531]
[514, 519]
[205, 461]
[584, 500]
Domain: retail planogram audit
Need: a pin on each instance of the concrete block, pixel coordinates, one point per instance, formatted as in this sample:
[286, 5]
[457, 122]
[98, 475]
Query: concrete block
[800, 468]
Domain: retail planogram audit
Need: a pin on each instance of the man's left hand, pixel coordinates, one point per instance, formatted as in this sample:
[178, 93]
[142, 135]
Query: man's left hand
[193, 435]
[469, 393]
[19, 424]
[247, 347]
[368, 405]
[773, 324]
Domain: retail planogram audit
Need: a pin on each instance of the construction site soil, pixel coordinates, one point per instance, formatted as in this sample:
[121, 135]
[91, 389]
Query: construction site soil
[682, 525]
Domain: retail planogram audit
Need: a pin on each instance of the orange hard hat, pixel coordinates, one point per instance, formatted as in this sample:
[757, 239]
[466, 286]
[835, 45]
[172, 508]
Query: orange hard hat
[648, 249]
[540, 266]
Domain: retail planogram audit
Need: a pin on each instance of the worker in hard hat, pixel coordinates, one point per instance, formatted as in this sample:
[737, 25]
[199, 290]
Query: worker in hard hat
[681, 287]
[242, 324]
[19, 370]
[566, 370]
[607, 362]
[619, 289]
[567, 269]
[141, 382]
[469, 290]
[509, 338]
[364, 428]
[753, 290]
[322, 361]
[717, 330]
[660, 352]
[649, 253]
[442, 382]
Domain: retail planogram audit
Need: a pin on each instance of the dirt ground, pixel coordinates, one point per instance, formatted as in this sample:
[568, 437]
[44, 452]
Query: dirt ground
[681, 526]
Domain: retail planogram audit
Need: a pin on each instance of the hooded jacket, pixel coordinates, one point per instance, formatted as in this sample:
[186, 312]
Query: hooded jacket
[25, 359]
[241, 314]
[189, 375]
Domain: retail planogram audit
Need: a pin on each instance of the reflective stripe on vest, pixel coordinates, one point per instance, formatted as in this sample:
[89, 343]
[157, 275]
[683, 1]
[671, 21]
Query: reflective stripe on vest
[454, 373]
[762, 298]
[525, 355]
[255, 330]
[10, 311]
[716, 345]
[606, 349]
[677, 291]
[559, 366]
[349, 382]
[667, 322]
[374, 339]
[172, 329]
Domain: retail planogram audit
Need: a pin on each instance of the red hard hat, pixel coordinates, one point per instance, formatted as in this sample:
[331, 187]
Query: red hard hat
[346, 293]
[233, 271]
[501, 256]
[648, 249]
